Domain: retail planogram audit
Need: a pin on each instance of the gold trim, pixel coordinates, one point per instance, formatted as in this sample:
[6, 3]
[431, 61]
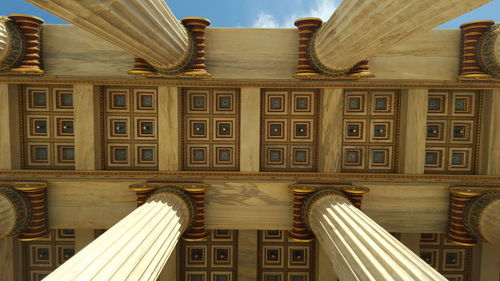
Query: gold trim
[477, 21]
[300, 240]
[194, 239]
[462, 244]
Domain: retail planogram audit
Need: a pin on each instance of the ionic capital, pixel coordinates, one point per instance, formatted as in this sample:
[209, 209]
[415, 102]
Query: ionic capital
[193, 194]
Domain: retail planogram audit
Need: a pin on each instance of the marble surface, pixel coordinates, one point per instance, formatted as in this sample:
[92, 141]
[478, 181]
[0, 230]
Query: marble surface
[86, 127]
[491, 135]
[360, 249]
[413, 130]
[249, 205]
[157, 224]
[250, 130]
[247, 255]
[147, 28]
[5, 140]
[350, 35]
[71, 51]
[7, 271]
[10, 148]
[80, 203]
[168, 129]
[393, 206]
[330, 139]
[250, 54]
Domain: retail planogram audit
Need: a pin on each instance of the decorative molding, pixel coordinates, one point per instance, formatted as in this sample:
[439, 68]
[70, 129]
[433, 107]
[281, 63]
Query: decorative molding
[210, 129]
[46, 127]
[191, 66]
[21, 204]
[30, 26]
[472, 36]
[257, 83]
[306, 194]
[280, 258]
[289, 126]
[475, 209]
[487, 51]
[453, 131]
[192, 193]
[244, 176]
[371, 130]
[466, 205]
[129, 126]
[310, 67]
[13, 46]
[214, 259]
[36, 225]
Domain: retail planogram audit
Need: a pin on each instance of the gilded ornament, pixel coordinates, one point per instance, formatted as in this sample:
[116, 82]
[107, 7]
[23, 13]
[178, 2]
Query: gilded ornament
[15, 46]
[21, 205]
[488, 51]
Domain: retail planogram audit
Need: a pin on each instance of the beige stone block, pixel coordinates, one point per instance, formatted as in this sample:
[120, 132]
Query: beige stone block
[413, 130]
[10, 148]
[168, 129]
[83, 237]
[250, 130]
[87, 127]
[247, 255]
[330, 139]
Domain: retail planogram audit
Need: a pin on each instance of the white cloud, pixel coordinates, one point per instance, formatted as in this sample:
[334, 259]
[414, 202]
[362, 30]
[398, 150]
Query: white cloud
[322, 9]
[265, 21]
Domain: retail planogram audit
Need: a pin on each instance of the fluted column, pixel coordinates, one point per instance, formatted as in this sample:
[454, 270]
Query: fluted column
[359, 248]
[138, 246]
[482, 217]
[147, 29]
[360, 29]
[4, 37]
[15, 212]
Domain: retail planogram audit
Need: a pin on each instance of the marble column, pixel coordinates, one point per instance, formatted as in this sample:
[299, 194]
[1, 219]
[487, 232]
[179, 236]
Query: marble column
[482, 217]
[15, 212]
[359, 248]
[4, 38]
[360, 29]
[147, 29]
[138, 246]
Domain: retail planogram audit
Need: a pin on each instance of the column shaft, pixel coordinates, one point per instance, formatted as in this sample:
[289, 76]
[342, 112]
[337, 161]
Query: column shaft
[359, 248]
[490, 223]
[147, 29]
[360, 29]
[7, 216]
[137, 247]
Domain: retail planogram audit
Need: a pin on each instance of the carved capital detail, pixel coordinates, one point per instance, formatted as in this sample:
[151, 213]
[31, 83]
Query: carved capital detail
[466, 207]
[193, 63]
[30, 202]
[310, 67]
[304, 195]
[192, 193]
[30, 27]
[478, 61]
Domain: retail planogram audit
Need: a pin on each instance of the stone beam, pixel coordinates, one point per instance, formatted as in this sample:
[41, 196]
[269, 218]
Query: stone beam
[231, 204]
[147, 29]
[361, 29]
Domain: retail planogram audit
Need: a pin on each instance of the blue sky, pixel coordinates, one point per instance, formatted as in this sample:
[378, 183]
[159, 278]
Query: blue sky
[253, 13]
